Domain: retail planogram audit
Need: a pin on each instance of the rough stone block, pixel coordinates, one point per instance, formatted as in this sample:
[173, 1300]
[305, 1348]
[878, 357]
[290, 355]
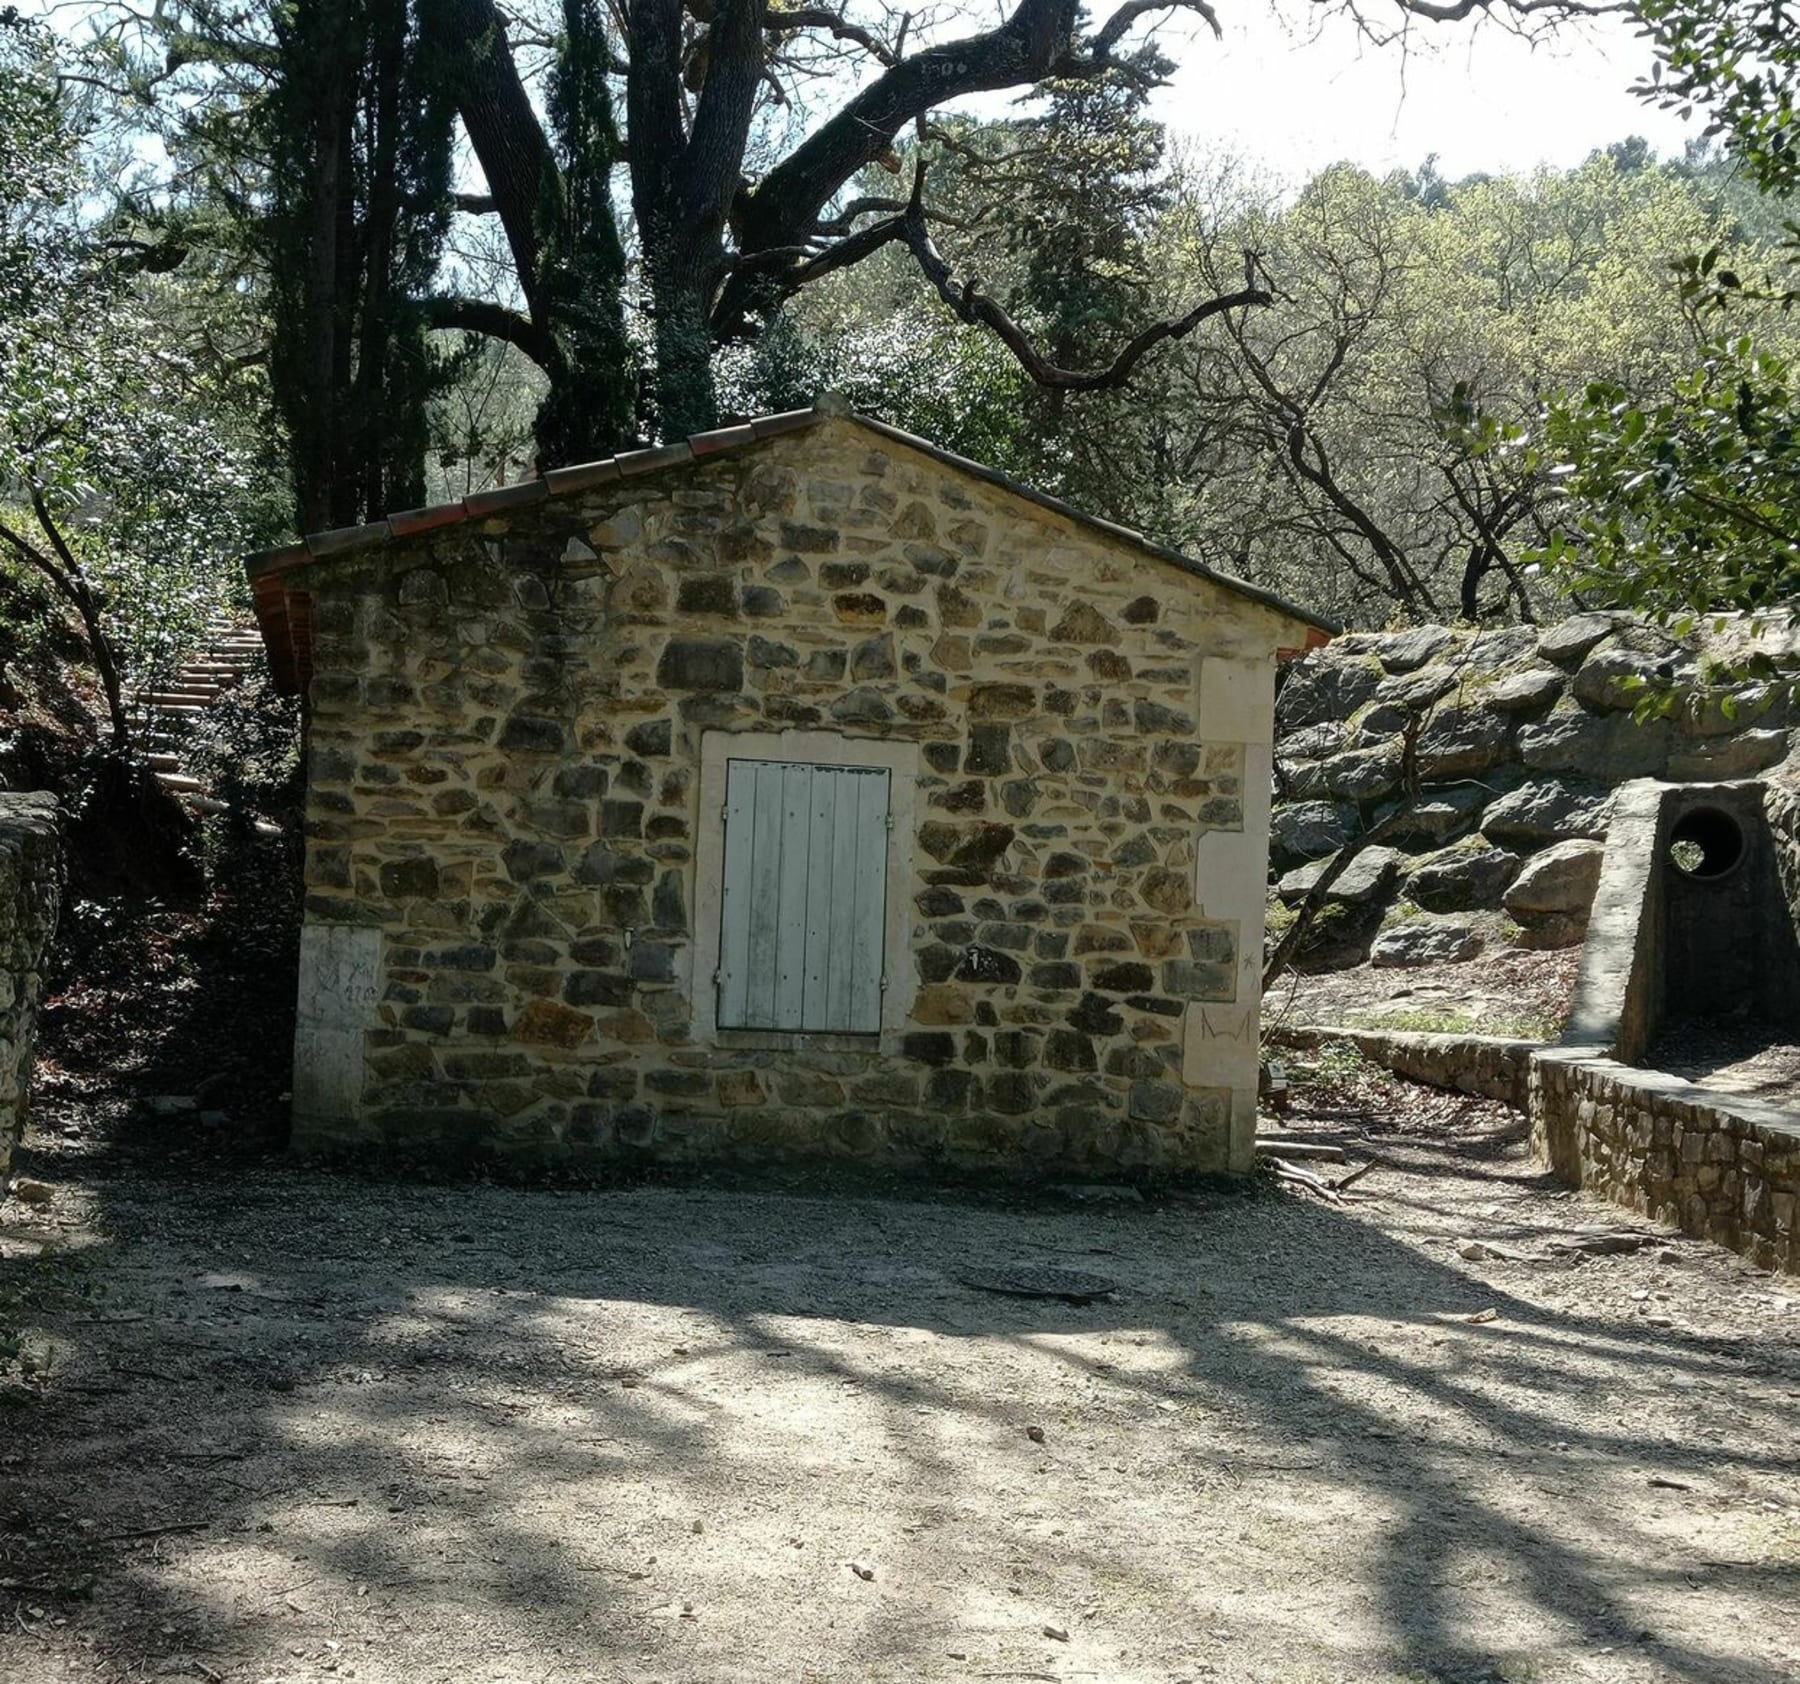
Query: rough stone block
[703, 664]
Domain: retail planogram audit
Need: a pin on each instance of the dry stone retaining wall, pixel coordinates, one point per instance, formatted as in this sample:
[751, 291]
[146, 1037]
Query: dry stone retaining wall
[1492, 1066]
[31, 881]
[1525, 738]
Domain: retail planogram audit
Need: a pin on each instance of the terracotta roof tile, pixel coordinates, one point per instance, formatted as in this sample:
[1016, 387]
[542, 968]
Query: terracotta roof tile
[481, 504]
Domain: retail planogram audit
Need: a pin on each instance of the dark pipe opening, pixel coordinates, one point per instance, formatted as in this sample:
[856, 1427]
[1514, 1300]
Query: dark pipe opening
[1706, 842]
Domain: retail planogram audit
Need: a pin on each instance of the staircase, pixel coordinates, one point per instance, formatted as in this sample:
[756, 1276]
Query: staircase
[163, 716]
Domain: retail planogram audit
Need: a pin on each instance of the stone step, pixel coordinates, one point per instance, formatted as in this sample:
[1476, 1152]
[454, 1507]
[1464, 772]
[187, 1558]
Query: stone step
[181, 783]
[162, 761]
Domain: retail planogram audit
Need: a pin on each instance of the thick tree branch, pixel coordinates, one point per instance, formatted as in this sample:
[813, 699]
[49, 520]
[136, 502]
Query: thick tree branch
[1119, 24]
[504, 129]
[65, 572]
[783, 208]
[494, 321]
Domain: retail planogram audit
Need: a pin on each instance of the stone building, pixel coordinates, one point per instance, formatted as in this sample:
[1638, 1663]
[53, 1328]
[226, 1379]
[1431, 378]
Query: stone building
[798, 790]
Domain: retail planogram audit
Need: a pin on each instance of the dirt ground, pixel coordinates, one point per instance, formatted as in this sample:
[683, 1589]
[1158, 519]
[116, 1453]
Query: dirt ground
[1504, 991]
[1756, 1060]
[293, 1425]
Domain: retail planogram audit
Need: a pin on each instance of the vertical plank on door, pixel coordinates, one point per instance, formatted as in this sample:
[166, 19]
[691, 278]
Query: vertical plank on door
[792, 910]
[839, 889]
[765, 894]
[820, 846]
[866, 912]
[734, 917]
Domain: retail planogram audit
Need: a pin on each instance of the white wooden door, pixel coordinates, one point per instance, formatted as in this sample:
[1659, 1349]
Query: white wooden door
[805, 897]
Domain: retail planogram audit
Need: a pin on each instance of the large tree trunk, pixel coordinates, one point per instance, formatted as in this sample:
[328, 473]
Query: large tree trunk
[509, 141]
[319, 493]
[682, 184]
[686, 399]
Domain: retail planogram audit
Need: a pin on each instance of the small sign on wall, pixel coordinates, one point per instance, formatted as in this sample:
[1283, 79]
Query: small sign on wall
[340, 967]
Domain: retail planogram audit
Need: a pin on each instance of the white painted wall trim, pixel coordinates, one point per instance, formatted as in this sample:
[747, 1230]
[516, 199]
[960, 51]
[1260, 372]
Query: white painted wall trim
[339, 985]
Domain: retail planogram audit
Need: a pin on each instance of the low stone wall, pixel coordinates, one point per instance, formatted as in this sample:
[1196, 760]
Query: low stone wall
[1718, 1167]
[1491, 1066]
[31, 881]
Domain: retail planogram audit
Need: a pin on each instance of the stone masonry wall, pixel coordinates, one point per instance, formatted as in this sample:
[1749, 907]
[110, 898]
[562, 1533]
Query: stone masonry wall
[1493, 1066]
[31, 880]
[504, 782]
[1718, 1167]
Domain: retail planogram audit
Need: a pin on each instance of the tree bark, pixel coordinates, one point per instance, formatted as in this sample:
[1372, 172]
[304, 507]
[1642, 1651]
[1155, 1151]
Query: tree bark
[504, 129]
[682, 186]
[319, 491]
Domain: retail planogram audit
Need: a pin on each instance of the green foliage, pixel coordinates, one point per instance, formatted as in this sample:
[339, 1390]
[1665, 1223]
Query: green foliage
[247, 749]
[588, 410]
[1738, 60]
[1340, 455]
[355, 128]
[906, 366]
[125, 483]
[1681, 497]
[1686, 505]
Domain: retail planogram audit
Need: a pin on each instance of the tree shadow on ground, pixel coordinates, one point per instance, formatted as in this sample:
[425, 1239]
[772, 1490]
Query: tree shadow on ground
[599, 1433]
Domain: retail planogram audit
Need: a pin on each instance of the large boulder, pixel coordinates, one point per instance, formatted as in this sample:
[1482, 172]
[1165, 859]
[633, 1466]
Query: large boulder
[1722, 712]
[1440, 813]
[1367, 876]
[1309, 830]
[1607, 747]
[1362, 774]
[1399, 699]
[1548, 810]
[1462, 878]
[1719, 758]
[1524, 692]
[1568, 642]
[1425, 941]
[1458, 741]
[1499, 649]
[1312, 742]
[1407, 651]
[1326, 688]
[1558, 882]
[1630, 668]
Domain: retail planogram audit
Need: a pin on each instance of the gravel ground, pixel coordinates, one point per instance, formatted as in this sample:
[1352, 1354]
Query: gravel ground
[291, 1425]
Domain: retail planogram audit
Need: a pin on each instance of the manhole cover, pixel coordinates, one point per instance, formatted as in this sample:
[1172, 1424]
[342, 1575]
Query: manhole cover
[1041, 1281]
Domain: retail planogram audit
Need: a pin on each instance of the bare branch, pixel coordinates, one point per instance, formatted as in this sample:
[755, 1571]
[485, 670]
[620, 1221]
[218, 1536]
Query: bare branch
[972, 305]
[832, 23]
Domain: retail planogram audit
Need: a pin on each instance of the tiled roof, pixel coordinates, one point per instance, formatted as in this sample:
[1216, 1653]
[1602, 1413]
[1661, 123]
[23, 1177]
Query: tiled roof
[283, 606]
